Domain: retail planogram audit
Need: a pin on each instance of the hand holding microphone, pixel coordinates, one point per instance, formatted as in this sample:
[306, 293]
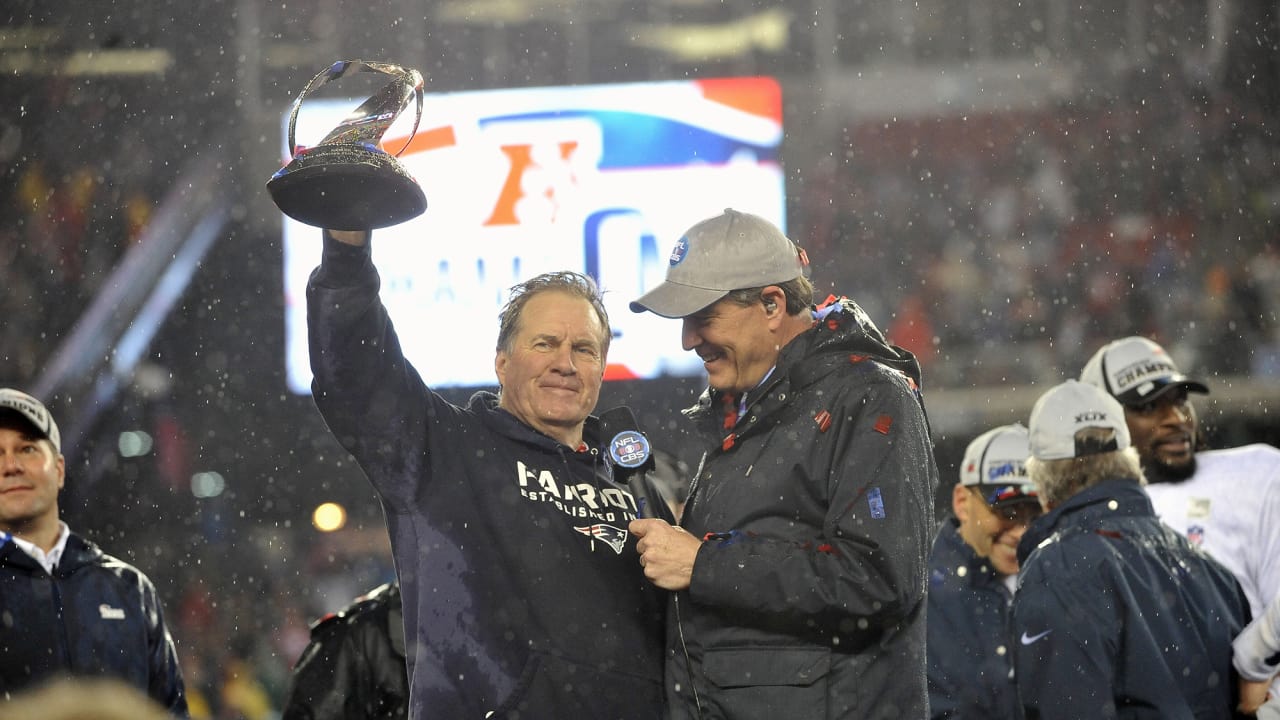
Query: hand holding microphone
[667, 552]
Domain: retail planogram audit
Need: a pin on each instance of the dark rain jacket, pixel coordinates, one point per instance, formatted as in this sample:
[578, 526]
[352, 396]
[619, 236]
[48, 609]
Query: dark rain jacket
[522, 591]
[970, 620]
[808, 600]
[354, 667]
[1118, 616]
[96, 615]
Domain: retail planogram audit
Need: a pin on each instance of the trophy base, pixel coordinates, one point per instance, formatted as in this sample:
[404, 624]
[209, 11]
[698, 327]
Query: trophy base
[346, 187]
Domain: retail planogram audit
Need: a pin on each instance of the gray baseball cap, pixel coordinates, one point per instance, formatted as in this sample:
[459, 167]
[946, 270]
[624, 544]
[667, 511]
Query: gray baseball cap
[34, 412]
[1136, 370]
[732, 251]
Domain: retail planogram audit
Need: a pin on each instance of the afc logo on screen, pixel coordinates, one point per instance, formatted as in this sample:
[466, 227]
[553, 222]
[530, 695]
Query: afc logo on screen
[546, 164]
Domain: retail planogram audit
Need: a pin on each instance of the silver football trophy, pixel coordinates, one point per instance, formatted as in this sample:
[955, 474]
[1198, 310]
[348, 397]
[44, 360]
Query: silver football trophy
[348, 182]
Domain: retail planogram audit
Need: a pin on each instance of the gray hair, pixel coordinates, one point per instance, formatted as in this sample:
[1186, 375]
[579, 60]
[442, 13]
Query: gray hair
[570, 283]
[1058, 480]
[799, 293]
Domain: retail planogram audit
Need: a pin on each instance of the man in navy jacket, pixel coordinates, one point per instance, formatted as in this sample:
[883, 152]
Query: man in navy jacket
[1117, 615]
[973, 574]
[68, 607]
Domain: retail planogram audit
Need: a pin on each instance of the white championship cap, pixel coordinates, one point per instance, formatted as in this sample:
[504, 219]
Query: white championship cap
[1135, 371]
[1062, 418]
[995, 463]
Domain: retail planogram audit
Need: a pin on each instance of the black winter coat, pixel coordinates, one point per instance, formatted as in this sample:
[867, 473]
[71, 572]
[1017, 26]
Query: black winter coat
[95, 616]
[808, 601]
[354, 667]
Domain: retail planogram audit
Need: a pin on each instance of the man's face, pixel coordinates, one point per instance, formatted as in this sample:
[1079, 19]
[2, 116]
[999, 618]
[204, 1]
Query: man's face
[551, 375]
[993, 533]
[31, 474]
[734, 342]
[1164, 432]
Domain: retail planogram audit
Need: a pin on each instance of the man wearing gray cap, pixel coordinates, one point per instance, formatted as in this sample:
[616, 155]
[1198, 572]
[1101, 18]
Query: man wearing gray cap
[1116, 615]
[1225, 501]
[973, 574]
[68, 608]
[800, 564]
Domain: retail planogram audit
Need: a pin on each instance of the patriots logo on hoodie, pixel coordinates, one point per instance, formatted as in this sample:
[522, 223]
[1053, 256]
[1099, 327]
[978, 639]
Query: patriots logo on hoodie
[615, 537]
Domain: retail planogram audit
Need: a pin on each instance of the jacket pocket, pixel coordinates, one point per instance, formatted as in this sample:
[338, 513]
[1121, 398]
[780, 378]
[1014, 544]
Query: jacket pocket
[768, 682]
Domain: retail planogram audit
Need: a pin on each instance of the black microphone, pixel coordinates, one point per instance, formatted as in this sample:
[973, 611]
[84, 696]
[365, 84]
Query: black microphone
[631, 456]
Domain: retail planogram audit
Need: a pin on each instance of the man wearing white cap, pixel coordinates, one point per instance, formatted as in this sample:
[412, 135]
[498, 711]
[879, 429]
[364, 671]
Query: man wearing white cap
[973, 573]
[1226, 501]
[1116, 615]
[800, 567]
[68, 608]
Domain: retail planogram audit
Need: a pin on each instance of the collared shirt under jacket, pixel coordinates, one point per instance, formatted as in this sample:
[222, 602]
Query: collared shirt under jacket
[95, 615]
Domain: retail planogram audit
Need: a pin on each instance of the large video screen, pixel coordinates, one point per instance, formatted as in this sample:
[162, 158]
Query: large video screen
[599, 179]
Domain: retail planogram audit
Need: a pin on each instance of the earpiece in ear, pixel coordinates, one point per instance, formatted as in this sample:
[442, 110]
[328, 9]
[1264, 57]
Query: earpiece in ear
[770, 306]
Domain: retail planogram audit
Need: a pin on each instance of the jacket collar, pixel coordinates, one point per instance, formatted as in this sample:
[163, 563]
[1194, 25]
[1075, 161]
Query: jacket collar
[843, 333]
[485, 404]
[1120, 497]
[77, 553]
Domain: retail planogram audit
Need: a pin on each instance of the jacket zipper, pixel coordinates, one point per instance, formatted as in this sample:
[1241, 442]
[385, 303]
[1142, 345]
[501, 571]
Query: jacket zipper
[64, 643]
[675, 600]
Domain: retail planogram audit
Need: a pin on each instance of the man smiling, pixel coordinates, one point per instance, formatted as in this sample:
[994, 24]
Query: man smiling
[1117, 616]
[68, 607]
[799, 568]
[973, 574]
[550, 373]
[521, 591]
[1226, 501]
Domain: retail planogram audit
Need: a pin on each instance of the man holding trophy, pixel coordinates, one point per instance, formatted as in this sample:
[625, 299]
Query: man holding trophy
[522, 590]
